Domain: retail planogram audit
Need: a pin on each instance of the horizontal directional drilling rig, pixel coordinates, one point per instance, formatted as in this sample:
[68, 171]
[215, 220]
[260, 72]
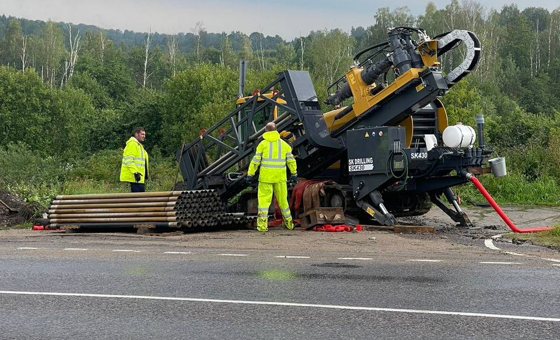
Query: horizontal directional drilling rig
[387, 143]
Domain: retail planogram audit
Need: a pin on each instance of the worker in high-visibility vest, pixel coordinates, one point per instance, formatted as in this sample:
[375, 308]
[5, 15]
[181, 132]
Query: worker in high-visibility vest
[134, 166]
[272, 155]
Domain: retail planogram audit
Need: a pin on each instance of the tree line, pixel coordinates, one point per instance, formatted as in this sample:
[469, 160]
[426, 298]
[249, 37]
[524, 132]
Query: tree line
[72, 91]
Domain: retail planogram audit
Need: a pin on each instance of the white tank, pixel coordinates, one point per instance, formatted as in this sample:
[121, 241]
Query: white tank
[459, 136]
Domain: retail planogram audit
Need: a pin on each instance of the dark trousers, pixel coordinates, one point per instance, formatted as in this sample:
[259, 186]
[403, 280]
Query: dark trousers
[137, 187]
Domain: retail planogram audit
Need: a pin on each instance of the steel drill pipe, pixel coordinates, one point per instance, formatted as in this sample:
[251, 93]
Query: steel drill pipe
[114, 225]
[114, 205]
[123, 214]
[109, 210]
[116, 200]
[122, 195]
[114, 219]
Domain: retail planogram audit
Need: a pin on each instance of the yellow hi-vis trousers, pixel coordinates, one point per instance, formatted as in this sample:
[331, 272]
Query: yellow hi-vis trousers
[265, 192]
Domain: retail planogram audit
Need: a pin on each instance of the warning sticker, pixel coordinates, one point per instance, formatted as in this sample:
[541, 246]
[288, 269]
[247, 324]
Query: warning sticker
[360, 164]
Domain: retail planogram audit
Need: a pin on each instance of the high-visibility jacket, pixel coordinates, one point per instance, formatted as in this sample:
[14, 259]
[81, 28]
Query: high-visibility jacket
[135, 159]
[272, 156]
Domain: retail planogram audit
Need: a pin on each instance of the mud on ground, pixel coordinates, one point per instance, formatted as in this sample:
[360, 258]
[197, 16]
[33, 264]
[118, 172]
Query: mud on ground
[22, 211]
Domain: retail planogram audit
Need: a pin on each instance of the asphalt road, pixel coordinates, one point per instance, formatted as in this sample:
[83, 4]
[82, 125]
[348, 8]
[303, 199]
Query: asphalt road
[236, 288]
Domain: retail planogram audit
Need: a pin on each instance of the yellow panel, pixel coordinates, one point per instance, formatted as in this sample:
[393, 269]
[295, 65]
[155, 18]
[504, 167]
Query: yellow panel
[329, 116]
[443, 121]
[335, 165]
[428, 52]
[270, 94]
[409, 128]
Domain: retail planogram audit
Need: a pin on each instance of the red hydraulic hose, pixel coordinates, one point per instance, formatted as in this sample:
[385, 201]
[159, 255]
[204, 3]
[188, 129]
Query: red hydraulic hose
[499, 210]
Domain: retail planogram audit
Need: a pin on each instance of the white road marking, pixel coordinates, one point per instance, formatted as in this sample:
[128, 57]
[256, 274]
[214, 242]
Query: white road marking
[76, 249]
[240, 255]
[515, 254]
[423, 260]
[178, 252]
[292, 257]
[488, 243]
[27, 248]
[356, 258]
[553, 260]
[556, 265]
[497, 262]
[290, 304]
[126, 250]
[496, 236]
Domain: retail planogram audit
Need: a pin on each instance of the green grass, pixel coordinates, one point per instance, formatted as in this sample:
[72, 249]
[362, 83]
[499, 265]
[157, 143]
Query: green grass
[27, 225]
[514, 189]
[550, 238]
[89, 186]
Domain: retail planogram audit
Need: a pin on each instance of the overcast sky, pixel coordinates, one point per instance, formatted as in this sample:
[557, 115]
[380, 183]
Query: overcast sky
[287, 18]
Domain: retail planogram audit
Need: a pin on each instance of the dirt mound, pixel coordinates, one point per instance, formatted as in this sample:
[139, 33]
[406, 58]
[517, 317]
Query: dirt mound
[21, 212]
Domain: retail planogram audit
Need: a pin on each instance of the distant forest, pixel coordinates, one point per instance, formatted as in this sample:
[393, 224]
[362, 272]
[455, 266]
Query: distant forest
[74, 92]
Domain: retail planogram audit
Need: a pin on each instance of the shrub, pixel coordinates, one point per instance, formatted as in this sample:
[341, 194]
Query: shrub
[29, 174]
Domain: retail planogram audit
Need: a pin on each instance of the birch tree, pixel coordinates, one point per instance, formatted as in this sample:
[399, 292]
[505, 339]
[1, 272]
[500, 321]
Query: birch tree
[70, 63]
[51, 51]
[146, 57]
[198, 30]
[24, 53]
[173, 49]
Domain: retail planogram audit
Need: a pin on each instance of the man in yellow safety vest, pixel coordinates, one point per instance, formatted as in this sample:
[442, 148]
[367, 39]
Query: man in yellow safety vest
[272, 155]
[134, 166]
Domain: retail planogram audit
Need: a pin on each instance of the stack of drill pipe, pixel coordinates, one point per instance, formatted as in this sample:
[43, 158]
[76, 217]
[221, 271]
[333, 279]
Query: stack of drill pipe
[154, 209]
[204, 208]
[200, 209]
[180, 209]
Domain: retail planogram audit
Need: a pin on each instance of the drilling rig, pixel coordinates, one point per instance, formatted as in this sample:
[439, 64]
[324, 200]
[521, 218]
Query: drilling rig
[386, 143]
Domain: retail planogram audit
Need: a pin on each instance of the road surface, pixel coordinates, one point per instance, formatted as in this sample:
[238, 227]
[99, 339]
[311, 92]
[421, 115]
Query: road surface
[283, 285]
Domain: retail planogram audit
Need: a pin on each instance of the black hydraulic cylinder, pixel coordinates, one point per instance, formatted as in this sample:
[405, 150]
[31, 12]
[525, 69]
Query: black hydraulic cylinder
[411, 49]
[368, 75]
[480, 125]
[400, 57]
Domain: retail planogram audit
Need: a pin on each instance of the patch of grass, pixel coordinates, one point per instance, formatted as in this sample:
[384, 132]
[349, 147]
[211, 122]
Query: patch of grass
[89, 186]
[516, 189]
[550, 238]
[27, 225]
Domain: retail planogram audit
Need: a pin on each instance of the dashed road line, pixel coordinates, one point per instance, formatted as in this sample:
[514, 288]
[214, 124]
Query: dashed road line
[488, 243]
[516, 254]
[290, 304]
[498, 262]
[552, 260]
